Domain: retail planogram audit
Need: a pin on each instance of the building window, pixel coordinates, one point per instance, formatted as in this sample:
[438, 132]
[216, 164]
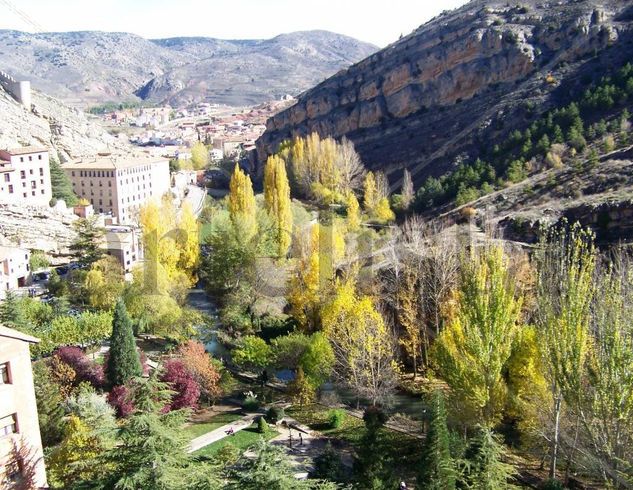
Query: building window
[33, 184]
[32, 193]
[42, 181]
[31, 171]
[39, 157]
[42, 191]
[7, 178]
[41, 172]
[22, 174]
[10, 189]
[5, 374]
[21, 159]
[72, 173]
[24, 194]
[8, 425]
[30, 158]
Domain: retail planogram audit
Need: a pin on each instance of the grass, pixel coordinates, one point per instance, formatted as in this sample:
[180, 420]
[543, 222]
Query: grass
[242, 439]
[402, 452]
[197, 429]
[205, 230]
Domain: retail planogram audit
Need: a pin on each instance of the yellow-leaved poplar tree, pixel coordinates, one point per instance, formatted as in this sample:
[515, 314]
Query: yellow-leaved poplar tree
[199, 156]
[188, 242]
[353, 213]
[370, 198]
[242, 205]
[277, 202]
[472, 352]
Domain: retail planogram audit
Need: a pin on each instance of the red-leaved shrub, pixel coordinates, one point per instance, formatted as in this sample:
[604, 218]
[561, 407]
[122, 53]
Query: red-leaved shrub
[180, 379]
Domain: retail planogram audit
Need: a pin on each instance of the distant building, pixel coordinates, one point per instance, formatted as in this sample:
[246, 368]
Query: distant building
[15, 271]
[25, 176]
[124, 243]
[120, 184]
[20, 440]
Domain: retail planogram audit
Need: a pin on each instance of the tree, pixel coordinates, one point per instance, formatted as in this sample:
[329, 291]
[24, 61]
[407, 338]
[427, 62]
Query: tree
[182, 383]
[317, 360]
[242, 205]
[104, 283]
[187, 240]
[349, 167]
[200, 364]
[304, 292]
[407, 192]
[269, 468]
[74, 459]
[87, 246]
[370, 198]
[50, 409]
[252, 352]
[363, 346]
[566, 261]
[60, 184]
[12, 312]
[199, 156]
[328, 465]
[152, 448]
[382, 211]
[123, 360]
[277, 202]
[300, 389]
[484, 466]
[120, 399]
[472, 351]
[262, 426]
[409, 317]
[353, 213]
[438, 470]
[85, 370]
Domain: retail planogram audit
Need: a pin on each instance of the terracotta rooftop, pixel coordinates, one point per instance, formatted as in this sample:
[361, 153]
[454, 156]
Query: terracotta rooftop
[14, 334]
[25, 150]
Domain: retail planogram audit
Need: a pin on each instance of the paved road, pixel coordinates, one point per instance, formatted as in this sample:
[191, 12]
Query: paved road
[220, 433]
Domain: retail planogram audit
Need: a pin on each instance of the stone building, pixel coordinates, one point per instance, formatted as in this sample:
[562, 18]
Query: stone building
[20, 441]
[119, 184]
[25, 176]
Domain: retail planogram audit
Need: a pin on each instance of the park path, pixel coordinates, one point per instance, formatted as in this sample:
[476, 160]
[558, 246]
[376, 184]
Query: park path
[220, 433]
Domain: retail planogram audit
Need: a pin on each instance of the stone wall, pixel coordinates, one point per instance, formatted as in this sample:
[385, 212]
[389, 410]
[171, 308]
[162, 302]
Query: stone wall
[19, 90]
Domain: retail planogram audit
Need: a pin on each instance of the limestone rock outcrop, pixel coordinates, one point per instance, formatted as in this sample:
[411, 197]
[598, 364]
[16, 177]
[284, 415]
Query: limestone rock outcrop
[437, 93]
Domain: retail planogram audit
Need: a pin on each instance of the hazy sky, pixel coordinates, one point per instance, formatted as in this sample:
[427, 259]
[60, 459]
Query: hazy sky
[376, 21]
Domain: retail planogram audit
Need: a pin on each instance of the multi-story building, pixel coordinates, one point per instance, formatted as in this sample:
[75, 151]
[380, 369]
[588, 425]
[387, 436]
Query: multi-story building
[25, 176]
[124, 243]
[15, 271]
[21, 454]
[119, 184]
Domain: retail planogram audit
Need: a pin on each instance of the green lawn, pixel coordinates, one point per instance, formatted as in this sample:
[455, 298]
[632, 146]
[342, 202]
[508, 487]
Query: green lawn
[197, 429]
[242, 439]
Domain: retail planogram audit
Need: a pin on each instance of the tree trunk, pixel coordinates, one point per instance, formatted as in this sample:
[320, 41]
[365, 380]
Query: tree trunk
[554, 448]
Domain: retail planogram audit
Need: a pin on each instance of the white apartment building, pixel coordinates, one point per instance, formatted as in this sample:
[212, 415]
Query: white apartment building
[119, 184]
[21, 451]
[15, 271]
[25, 176]
[125, 244]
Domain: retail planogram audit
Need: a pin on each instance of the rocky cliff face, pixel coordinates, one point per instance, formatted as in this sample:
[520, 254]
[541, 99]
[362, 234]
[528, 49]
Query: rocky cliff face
[67, 132]
[426, 101]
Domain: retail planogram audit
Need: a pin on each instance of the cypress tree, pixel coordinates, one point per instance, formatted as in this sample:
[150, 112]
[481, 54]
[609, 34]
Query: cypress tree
[61, 185]
[123, 362]
[438, 468]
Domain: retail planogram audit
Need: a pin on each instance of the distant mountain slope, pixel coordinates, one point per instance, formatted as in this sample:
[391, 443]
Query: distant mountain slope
[92, 67]
[459, 84]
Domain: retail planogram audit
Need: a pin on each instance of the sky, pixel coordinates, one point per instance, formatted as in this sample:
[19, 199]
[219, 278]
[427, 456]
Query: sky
[376, 21]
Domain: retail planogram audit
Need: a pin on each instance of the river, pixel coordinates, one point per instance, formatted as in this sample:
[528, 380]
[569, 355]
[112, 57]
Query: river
[402, 402]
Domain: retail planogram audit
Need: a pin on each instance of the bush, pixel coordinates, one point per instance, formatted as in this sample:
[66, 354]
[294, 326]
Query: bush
[228, 454]
[275, 414]
[250, 404]
[328, 465]
[262, 426]
[121, 400]
[336, 418]
[551, 485]
[85, 369]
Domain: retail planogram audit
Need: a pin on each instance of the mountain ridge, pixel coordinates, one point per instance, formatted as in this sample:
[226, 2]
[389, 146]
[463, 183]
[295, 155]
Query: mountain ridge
[92, 67]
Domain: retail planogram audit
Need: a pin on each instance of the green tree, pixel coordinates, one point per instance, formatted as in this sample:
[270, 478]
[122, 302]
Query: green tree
[60, 184]
[86, 247]
[50, 405]
[252, 352]
[123, 360]
[328, 465]
[270, 469]
[471, 353]
[566, 262]
[484, 466]
[152, 449]
[12, 312]
[438, 470]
